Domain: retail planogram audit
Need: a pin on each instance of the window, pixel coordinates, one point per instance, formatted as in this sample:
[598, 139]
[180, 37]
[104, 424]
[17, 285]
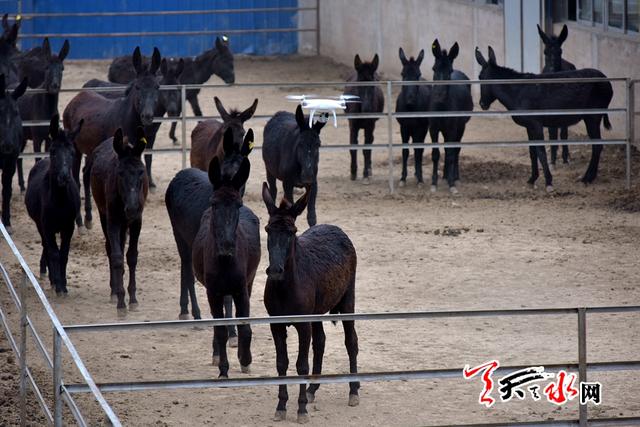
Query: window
[620, 15]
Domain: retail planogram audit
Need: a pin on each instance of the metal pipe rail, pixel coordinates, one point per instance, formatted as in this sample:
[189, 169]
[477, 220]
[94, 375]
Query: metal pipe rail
[159, 12]
[60, 337]
[165, 33]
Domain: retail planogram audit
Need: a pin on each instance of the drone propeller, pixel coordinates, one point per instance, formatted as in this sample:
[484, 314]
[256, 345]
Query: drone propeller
[300, 97]
[349, 97]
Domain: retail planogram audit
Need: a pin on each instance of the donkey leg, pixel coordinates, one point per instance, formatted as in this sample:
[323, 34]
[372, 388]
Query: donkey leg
[404, 133]
[7, 177]
[318, 343]
[116, 263]
[195, 105]
[353, 140]
[311, 207]
[273, 189]
[187, 288]
[86, 181]
[77, 159]
[65, 245]
[368, 140]
[435, 158]
[172, 133]
[43, 263]
[553, 136]
[53, 260]
[593, 130]
[534, 166]
[418, 153]
[228, 313]
[148, 159]
[449, 172]
[542, 157]
[302, 367]
[244, 331]
[220, 335]
[20, 176]
[564, 135]
[279, 334]
[132, 261]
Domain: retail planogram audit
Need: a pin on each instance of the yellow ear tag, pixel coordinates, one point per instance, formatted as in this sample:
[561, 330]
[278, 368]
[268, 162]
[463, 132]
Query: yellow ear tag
[225, 38]
[144, 140]
[18, 18]
[433, 46]
[251, 145]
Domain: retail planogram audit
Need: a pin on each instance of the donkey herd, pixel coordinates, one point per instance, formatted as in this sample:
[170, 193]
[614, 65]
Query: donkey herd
[217, 237]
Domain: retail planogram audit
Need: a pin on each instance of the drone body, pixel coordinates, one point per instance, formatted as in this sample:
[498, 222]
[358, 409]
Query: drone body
[325, 106]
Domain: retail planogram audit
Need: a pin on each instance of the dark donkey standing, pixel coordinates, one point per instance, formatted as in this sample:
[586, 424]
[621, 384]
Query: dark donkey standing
[226, 254]
[553, 63]
[42, 106]
[103, 116]
[53, 202]
[412, 98]
[448, 98]
[207, 136]
[371, 101]
[218, 60]
[120, 186]
[291, 152]
[10, 142]
[168, 102]
[188, 196]
[548, 97]
[314, 273]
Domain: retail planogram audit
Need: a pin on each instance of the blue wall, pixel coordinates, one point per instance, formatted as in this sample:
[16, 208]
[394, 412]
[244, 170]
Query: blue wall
[108, 47]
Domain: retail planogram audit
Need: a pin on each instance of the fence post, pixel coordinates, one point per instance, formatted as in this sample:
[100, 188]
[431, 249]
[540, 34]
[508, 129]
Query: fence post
[23, 349]
[57, 378]
[390, 135]
[631, 121]
[582, 360]
[183, 100]
[317, 27]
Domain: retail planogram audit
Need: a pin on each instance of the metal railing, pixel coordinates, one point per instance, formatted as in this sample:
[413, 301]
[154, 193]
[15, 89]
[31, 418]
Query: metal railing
[628, 111]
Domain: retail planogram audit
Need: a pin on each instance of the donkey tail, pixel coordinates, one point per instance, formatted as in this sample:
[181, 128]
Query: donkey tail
[607, 123]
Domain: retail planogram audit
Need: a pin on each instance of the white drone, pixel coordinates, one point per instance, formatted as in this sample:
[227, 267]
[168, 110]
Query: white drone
[323, 105]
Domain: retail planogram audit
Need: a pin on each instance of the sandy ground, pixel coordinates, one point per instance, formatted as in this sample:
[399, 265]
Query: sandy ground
[498, 244]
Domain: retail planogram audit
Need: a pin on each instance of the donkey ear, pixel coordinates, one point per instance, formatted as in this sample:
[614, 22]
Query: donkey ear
[13, 33]
[215, 175]
[20, 90]
[242, 175]
[46, 48]
[118, 145]
[267, 199]
[543, 36]
[375, 62]
[219, 44]
[54, 127]
[300, 204]
[435, 49]
[480, 58]
[247, 145]
[64, 51]
[164, 67]
[403, 57]
[357, 62]
[492, 56]
[420, 57]
[248, 113]
[453, 52]
[302, 122]
[155, 61]
[223, 113]
[227, 142]
[137, 60]
[563, 34]
[141, 142]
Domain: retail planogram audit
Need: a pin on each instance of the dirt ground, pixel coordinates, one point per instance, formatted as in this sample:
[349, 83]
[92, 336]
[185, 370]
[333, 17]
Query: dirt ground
[498, 244]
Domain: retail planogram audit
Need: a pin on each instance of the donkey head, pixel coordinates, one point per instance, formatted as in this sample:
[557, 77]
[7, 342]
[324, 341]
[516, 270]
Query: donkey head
[53, 66]
[132, 183]
[281, 230]
[10, 32]
[411, 72]
[222, 60]
[442, 69]
[488, 72]
[307, 147]
[234, 155]
[61, 152]
[226, 201]
[170, 99]
[235, 119]
[553, 48]
[366, 70]
[145, 88]
[10, 121]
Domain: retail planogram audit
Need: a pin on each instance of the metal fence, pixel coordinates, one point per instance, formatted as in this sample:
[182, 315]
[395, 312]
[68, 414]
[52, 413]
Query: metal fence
[63, 392]
[628, 111]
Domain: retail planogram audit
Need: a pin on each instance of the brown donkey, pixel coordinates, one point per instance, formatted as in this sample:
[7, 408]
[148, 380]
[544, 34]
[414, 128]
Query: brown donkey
[206, 138]
[120, 185]
[103, 116]
[314, 273]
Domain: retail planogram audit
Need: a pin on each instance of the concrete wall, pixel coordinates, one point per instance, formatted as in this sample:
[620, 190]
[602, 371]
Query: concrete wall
[367, 27]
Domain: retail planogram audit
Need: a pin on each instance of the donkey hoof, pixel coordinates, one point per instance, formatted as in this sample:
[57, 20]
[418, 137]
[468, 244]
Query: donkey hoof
[280, 416]
[420, 184]
[43, 275]
[184, 316]
[122, 312]
[81, 230]
[311, 397]
[9, 229]
[366, 181]
[133, 306]
[113, 298]
[152, 189]
[456, 183]
[233, 342]
[549, 189]
[215, 360]
[552, 167]
[434, 188]
[453, 190]
[245, 369]
[303, 418]
[354, 400]
[353, 176]
[402, 183]
[88, 224]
